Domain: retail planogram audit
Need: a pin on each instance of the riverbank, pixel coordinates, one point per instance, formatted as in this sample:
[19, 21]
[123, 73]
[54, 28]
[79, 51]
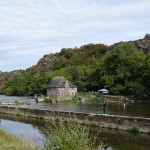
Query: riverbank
[10, 142]
[99, 120]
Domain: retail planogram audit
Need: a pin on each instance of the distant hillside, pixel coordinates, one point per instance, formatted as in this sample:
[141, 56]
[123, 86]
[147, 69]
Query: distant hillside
[123, 68]
[69, 56]
[6, 76]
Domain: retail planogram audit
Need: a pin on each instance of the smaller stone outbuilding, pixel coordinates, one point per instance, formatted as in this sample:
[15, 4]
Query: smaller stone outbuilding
[61, 88]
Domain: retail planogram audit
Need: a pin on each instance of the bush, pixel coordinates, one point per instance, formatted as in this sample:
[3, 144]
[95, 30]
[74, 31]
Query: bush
[48, 100]
[68, 135]
[99, 99]
[39, 117]
[134, 129]
[94, 98]
[66, 101]
[110, 126]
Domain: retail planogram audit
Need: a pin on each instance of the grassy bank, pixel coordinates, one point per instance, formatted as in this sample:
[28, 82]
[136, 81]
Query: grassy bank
[10, 142]
[62, 134]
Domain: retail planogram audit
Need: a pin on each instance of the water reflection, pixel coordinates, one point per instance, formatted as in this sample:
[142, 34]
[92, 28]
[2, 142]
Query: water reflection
[4, 97]
[27, 132]
[113, 140]
[125, 109]
[105, 143]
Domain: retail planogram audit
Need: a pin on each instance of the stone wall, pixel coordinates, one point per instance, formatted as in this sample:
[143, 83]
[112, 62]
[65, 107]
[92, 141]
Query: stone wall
[61, 93]
[121, 122]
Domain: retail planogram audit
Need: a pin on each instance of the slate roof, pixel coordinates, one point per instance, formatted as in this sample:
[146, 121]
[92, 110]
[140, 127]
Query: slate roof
[59, 82]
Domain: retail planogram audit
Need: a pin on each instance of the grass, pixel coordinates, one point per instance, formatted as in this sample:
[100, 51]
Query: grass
[17, 114]
[110, 126]
[62, 134]
[49, 100]
[67, 134]
[69, 101]
[17, 102]
[92, 98]
[39, 117]
[9, 142]
[134, 129]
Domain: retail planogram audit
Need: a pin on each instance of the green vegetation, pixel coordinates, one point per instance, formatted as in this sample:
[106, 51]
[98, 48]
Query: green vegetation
[122, 69]
[9, 142]
[39, 117]
[68, 135]
[16, 102]
[110, 126]
[17, 114]
[94, 98]
[86, 97]
[49, 100]
[134, 129]
[68, 101]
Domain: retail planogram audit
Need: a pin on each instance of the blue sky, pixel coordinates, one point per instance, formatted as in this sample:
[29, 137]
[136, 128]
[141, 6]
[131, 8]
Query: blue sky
[29, 29]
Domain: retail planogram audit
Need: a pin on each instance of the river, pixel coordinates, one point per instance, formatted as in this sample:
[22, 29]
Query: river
[124, 109]
[34, 130]
[129, 109]
[115, 140]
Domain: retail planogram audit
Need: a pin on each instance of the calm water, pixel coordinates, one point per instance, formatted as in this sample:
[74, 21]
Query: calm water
[33, 129]
[129, 109]
[23, 129]
[3, 97]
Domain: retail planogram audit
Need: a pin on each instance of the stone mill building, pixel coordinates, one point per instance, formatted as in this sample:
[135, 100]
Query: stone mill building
[61, 88]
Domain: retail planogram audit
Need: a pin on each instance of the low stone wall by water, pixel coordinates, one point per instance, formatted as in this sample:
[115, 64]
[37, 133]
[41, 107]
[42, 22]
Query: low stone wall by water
[119, 122]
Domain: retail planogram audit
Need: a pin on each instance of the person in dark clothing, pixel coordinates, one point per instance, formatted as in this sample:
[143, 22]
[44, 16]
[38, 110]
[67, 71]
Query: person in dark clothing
[104, 107]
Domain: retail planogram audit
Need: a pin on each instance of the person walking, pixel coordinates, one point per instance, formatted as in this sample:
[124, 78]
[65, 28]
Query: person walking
[104, 107]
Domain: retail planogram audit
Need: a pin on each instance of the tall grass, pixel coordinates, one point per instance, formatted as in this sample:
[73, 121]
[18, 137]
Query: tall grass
[68, 135]
[134, 129]
[68, 101]
[10, 142]
[94, 98]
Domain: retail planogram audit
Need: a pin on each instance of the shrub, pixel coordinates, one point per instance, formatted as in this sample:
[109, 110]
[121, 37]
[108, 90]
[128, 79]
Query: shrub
[68, 135]
[99, 99]
[66, 101]
[110, 126]
[39, 117]
[48, 100]
[134, 129]
[17, 114]
[94, 98]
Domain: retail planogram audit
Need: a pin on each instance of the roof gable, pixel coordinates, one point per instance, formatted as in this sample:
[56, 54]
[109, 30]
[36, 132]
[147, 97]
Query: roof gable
[60, 82]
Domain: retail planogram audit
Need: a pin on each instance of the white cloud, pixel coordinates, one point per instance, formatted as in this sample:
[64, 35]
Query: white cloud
[36, 27]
